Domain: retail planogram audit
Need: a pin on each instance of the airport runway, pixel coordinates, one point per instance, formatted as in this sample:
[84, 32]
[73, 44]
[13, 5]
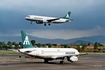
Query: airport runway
[86, 62]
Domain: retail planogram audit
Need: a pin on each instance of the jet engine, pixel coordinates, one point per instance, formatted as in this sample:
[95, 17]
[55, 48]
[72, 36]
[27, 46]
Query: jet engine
[39, 22]
[72, 58]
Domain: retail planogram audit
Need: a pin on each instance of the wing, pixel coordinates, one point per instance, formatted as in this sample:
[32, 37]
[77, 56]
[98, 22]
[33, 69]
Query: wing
[50, 20]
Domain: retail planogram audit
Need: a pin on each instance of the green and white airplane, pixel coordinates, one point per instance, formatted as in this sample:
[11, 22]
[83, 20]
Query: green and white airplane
[48, 54]
[47, 20]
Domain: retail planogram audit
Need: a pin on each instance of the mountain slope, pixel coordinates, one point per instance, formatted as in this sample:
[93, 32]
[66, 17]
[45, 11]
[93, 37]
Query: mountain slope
[100, 39]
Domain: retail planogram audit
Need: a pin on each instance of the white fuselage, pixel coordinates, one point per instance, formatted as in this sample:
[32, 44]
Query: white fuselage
[45, 19]
[50, 52]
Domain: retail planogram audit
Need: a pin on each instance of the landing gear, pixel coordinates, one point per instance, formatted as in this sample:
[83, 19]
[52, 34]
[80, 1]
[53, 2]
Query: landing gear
[62, 62]
[19, 56]
[31, 22]
[49, 24]
[45, 60]
[44, 24]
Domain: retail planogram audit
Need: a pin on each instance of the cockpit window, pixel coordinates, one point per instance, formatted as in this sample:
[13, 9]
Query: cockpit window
[28, 16]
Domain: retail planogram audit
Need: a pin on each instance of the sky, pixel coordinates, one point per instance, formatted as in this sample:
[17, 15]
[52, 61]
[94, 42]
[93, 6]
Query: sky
[88, 18]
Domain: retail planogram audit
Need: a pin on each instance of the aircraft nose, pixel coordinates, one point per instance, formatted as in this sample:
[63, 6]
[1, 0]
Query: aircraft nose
[26, 17]
[77, 52]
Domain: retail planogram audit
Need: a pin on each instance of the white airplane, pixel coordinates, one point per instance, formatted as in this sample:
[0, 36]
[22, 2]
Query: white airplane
[48, 54]
[44, 20]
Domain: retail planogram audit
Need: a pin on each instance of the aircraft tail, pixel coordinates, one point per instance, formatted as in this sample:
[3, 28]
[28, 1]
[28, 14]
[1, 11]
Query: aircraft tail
[67, 16]
[25, 40]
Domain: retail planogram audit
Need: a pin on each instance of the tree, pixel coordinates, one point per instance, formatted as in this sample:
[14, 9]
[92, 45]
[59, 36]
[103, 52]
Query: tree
[9, 44]
[79, 47]
[4, 46]
[21, 45]
[96, 45]
[33, 42]
[88, 43]
[43, 45]
[39, 45]
[54, 44]
[14, 43]
[1, 45]
[49, 45]
[16, 46]
[84, 46]
[65, 46]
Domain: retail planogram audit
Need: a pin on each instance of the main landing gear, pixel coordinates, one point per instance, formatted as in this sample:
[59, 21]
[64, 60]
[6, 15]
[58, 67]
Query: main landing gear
[62, 61]
[44, 24]
[31, 22]
[48, 24]
[45, 60]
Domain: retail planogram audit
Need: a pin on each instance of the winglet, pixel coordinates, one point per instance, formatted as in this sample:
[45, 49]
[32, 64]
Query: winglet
[25, 40]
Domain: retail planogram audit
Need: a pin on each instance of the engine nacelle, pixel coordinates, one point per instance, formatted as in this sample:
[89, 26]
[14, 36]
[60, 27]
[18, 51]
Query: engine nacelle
[72, 58]
[39, 22]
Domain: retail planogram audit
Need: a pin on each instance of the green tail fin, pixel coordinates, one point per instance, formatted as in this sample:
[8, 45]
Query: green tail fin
[25, 40]
[67, 16]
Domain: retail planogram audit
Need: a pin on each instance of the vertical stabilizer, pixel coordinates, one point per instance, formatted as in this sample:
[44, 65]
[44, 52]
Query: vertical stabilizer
[67, 16]
[25, 40]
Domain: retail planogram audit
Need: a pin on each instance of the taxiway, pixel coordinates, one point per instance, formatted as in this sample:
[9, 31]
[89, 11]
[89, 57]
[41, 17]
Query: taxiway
[86, 62]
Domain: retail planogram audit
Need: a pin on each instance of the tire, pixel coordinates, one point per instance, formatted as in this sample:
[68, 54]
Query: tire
[45, 60]
[61, 62]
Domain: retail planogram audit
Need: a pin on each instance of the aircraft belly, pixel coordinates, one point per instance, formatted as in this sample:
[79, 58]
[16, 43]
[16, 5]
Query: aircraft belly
[59, 21]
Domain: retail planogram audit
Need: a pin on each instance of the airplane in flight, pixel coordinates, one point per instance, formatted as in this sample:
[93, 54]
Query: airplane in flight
[47, 20]
[70, 54]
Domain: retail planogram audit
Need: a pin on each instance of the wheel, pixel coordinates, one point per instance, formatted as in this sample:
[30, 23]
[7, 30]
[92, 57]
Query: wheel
[49, 24]
[19, 56]
[45, 60]
[61, 62]
[44, 24]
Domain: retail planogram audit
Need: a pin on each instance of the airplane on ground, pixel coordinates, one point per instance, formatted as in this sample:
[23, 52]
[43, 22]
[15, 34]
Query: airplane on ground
[47, 20]
[47, 54]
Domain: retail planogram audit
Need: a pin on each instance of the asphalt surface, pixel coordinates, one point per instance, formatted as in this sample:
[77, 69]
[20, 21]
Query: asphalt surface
[86, 62]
